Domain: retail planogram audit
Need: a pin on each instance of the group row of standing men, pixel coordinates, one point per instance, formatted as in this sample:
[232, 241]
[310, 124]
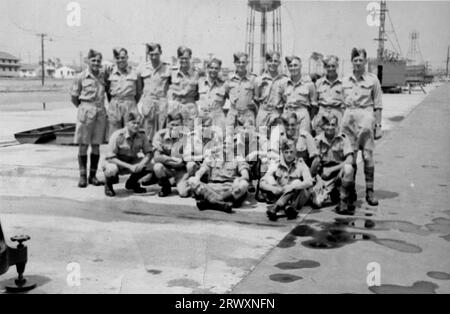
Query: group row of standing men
[157, 97]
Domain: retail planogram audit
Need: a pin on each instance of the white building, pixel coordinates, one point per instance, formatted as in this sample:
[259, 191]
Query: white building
[28, 70]
[64, 73]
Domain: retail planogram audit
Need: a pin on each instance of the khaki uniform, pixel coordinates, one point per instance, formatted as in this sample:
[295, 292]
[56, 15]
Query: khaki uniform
[91, 116]
[241, 92]
[361, 97]
[298, 98]
[123, 90]
[268, 94]
[306, 147]
[211, 100]
[186, 86]
[126, 148]
[153, 103]
[330, 97]
[331, 154]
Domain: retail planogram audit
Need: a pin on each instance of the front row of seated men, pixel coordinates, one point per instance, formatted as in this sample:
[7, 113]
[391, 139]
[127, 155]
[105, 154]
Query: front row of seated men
[222, 183]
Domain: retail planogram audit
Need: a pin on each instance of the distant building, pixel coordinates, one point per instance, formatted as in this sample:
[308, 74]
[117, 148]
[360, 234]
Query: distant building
[9, 65]
[64, 72]
[28, 70]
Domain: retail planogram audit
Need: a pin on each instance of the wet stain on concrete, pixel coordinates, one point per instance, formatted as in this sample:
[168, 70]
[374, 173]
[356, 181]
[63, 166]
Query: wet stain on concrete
[287, 242]
[298, 265]
[447, 212]
[154, 271]
[183, 282]
[383, 195]
[443, 185]
[396, 118]
[284, 278]
[438, 275]
[446, 238]
[399, 157]
[403, 226]
[429, 167]
[97, 260]
[439, 225]
[419, 287]
[334, 235]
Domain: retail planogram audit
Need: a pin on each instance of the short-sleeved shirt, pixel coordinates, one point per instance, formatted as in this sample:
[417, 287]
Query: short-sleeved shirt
[220, 170]
[123, 146]
[90, 88]
[185, 85]
[123, 85]
[330, 94]
[301, 94]
[200, 144]
[156, 80]
[165, 140]
[211, 93]
[363, 92]
[334, 152]
[285, 174]
[305, 142]
[268, 90]
[241, 91]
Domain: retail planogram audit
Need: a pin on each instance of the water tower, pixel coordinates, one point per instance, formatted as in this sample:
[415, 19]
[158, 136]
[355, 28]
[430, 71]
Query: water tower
[264, 15]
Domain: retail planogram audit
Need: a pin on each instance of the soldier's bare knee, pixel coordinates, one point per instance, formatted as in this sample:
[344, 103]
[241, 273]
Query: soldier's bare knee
[110, 170]
[348, 171]
[191, 168]
[160, 170]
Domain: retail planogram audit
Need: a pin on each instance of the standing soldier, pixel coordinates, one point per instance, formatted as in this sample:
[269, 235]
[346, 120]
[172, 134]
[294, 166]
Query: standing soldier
[240, 89]
[124, 90]
[88, 95]
[183, 92]
[299, 95]
[212, 95]
[155, 77]
[267, 87]
[330, 94]
[362, 116]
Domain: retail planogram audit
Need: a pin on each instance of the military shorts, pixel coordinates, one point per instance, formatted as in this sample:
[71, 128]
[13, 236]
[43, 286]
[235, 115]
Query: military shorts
[154, 112]
[358, 124]
[118, 111]
[265, 117]
[112, 170]
[242, 117]
[91, 124]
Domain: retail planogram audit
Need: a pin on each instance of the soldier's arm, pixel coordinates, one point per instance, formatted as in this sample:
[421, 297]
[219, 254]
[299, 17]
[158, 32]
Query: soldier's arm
[111, 155]
[313, 100]
[315, 165]
[377, 100]
[76, 91]
[139, 88]
[298, 184]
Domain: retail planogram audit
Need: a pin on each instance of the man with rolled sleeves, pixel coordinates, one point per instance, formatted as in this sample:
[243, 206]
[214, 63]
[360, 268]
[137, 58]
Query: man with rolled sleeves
[267, 86]
[122, 157]
[334, 167]
[183, 91]
[305, 144]
[88, 95]
[155, 78]
[330, 94]
[211, 91]
[299, 95]
[362, 117]
[228, 180]
[124, 91]
[241, 89]
[287, 180]
[169, 166]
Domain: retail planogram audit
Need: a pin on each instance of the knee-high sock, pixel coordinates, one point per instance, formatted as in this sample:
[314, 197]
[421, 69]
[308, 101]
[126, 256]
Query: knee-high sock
[94, 165]
[82, 164]
[369, 175]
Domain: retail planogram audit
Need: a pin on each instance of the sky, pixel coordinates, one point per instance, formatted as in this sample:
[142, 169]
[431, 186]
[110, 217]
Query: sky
[213, 26]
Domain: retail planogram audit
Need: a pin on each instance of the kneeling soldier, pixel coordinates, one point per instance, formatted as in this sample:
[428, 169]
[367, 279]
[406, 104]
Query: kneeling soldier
[228, 181]
[169, 164]
[287, 179]
[122, 158]
[334, 166]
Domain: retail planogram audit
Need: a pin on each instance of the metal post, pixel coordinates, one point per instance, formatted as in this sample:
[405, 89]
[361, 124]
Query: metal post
[42, 58]
[448, 60]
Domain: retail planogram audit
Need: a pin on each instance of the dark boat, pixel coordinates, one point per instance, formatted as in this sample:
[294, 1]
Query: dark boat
[44, 134]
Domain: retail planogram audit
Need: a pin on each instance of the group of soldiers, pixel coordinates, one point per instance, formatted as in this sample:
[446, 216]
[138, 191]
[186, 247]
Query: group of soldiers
[170, 125]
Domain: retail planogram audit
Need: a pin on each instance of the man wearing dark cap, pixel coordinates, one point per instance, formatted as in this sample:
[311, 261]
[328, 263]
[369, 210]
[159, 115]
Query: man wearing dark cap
[183, 92]
[124, 90]
[88, 95]
[122, 157]
[155, 76]
[333, 167]
[362, 117]
[241, 91]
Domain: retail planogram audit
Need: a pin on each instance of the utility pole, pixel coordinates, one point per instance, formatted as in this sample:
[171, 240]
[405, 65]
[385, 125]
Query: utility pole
[42, 57]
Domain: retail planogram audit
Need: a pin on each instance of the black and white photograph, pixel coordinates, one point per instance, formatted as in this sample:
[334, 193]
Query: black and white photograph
[224, 152]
